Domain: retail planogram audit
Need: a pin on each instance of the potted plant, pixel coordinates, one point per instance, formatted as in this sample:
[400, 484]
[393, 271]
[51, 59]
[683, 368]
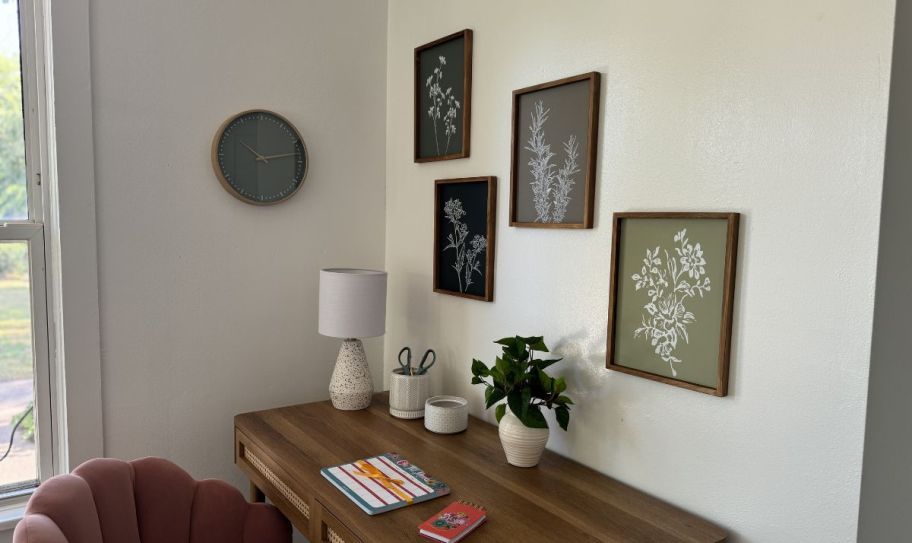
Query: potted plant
[520, 378]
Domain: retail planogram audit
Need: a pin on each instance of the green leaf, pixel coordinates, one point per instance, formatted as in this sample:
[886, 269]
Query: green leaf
[497, 376]
[503, 366]
[500, 411]
[526, 397]
[513, 347]
[493, 395]
[560, 385]
[479, 368]
[564, 400]
[515, 401]
[542, 364]
[533, 418]
[536, 343]
[477, 380]
[546, 382]
[562, 413]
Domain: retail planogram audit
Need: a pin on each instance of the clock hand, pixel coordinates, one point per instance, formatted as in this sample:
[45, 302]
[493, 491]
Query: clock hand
[277, 156]
[259, 157]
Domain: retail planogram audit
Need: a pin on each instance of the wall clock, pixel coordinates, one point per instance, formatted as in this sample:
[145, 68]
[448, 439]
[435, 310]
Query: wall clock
[259, 157]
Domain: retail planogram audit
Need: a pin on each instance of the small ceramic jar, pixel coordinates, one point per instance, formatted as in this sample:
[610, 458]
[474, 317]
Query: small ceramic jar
[446, 414]
[408, 394]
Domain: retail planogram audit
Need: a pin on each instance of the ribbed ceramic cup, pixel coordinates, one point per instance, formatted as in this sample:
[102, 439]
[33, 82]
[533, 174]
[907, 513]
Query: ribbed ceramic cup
[408, 393]
[522, 445]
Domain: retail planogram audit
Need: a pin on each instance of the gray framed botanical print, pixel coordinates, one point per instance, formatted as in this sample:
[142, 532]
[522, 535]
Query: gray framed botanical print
[443, 98]
[672, 293]
[464, 222]
[555, 141]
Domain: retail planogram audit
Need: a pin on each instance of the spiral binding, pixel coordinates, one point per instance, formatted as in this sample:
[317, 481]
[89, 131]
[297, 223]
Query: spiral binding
[471, 504]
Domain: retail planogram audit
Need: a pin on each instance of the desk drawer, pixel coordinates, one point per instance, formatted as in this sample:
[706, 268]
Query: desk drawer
[330, 529]
[270, 479]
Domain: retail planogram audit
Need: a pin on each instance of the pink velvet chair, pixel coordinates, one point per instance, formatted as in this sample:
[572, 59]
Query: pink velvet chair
[149, 500]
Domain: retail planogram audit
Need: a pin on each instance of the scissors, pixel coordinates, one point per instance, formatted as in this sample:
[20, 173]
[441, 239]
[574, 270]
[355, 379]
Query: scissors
[407, 368]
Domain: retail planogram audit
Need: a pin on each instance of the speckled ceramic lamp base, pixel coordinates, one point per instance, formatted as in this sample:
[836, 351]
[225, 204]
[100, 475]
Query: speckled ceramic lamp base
[350, 387]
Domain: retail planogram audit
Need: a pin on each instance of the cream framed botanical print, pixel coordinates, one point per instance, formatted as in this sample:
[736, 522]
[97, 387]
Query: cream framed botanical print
[672, 295]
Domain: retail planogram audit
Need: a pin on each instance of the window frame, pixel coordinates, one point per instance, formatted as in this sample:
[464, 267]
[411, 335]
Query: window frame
[33, 235]
[49, 437]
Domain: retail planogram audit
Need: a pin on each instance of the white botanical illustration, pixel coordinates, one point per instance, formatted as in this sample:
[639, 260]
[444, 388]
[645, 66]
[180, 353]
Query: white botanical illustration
[551, 185]
[670, 280]
[442, 100]
[467, 262]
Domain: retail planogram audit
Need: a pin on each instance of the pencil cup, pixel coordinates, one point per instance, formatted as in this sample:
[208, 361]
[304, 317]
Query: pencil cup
[408, 393]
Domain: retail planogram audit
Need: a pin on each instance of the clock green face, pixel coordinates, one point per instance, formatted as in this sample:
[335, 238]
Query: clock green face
[260, 157]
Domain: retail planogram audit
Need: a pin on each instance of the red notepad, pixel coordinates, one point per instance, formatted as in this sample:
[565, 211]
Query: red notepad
[456, 521]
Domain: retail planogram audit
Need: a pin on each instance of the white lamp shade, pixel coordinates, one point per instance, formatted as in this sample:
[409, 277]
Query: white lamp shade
[352, 303]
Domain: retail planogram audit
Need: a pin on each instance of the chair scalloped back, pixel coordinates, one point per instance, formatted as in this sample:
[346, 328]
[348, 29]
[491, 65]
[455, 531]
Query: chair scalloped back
[149, 500]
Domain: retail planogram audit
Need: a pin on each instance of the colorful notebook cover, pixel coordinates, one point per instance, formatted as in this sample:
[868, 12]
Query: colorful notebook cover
[456, 521]
[383, 483]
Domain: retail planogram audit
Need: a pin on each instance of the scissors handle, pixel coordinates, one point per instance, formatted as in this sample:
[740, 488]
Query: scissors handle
[422, 368]
[407, 366]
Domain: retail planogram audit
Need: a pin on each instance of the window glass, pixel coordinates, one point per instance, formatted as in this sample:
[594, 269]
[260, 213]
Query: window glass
[13, 193]
[18, 466]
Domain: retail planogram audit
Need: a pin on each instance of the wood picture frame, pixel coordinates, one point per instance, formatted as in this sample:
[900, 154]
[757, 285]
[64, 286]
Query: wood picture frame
[462, 98]
[475, 196]
[570, 109]
[700, 270]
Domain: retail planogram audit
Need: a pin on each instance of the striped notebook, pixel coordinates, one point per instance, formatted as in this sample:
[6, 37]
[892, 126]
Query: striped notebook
[383, 483]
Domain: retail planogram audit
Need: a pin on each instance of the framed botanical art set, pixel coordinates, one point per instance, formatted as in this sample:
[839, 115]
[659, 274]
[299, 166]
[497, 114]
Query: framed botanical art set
[672, 274]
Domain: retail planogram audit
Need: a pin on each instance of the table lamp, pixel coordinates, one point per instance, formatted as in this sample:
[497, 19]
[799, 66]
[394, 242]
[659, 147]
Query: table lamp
[352, 306]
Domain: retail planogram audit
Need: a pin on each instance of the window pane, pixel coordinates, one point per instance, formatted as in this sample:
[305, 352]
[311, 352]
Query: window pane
[13, 194]
[19, 467]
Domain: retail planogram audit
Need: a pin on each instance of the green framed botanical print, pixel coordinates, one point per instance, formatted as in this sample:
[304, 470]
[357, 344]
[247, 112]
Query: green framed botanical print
[672, 293]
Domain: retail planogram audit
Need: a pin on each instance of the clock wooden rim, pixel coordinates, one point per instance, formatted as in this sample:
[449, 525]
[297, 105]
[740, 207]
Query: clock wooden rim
[218, 169]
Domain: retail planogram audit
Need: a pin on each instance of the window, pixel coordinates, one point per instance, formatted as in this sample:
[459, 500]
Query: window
[25, 371]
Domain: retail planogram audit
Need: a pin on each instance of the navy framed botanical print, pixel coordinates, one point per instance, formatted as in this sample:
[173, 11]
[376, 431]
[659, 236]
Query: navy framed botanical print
[464, 223]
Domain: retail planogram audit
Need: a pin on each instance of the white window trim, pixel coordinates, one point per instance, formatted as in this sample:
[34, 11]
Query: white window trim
[66, 147]
[70, 230]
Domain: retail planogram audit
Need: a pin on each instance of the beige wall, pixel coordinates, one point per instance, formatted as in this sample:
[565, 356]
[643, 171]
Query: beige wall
[209, 305]
[773, 109]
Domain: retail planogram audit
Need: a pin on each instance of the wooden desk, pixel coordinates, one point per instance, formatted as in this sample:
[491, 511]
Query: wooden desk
[282, 450]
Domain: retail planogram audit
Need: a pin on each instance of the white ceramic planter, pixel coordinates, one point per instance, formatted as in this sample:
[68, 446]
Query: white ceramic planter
[408, 394]
[446, 414]
[522, 445]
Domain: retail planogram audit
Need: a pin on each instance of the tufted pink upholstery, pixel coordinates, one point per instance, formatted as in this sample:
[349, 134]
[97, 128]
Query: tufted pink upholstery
[149, 500]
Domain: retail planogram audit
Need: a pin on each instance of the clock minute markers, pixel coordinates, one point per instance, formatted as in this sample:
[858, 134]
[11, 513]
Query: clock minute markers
[248, 182]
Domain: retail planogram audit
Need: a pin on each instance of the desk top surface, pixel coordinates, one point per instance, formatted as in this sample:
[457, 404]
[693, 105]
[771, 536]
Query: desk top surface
[559, 500]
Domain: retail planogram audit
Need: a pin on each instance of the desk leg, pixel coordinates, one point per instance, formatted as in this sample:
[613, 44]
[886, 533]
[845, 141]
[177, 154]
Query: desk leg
[256, 495]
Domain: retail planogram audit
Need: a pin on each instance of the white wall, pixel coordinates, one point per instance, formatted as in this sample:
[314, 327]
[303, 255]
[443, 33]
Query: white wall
[773, 109]
[209, 305]
[886, 499]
